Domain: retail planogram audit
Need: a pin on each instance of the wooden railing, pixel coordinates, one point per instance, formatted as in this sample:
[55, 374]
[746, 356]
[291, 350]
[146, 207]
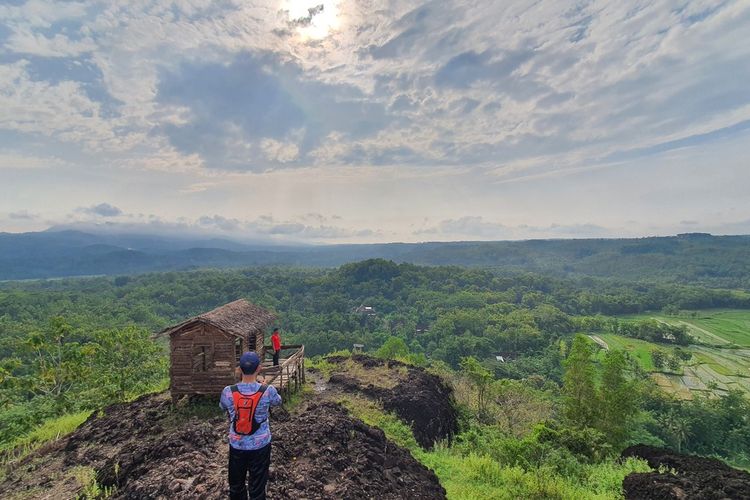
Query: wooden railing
[290, 374]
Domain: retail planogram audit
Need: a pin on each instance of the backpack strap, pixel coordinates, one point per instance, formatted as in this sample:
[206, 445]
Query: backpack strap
[260, 391]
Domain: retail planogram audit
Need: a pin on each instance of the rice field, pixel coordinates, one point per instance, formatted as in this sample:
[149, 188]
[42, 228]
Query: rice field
[714, 327]
[721, 354]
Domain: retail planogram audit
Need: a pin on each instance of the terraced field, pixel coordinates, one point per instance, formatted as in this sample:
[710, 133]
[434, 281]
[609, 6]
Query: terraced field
[714, 327]
[721, 354]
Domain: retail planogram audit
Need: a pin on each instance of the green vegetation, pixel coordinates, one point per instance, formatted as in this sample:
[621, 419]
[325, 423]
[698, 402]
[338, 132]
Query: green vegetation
[478, 477]
[545, 411]
[712, 364]
[537, 457]
[732, 326]
[717, 261]
[90, 488]
[639, 350]
[712, 327]
[56, 369]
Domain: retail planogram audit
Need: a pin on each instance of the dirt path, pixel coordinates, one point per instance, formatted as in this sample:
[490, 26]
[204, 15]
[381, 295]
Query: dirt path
[600, 341]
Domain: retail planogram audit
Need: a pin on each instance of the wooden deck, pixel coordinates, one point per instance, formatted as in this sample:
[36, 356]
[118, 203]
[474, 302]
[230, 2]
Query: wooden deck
[290, 374]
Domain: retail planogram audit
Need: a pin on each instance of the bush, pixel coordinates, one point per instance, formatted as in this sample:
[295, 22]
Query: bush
[393, 348]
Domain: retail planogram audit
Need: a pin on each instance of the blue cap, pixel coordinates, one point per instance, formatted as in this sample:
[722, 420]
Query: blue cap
[249, 362]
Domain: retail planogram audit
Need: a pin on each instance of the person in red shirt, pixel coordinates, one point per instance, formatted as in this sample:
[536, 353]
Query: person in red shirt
[276, 344]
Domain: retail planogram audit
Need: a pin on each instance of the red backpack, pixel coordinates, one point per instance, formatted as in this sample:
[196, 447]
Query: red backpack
[244, 410]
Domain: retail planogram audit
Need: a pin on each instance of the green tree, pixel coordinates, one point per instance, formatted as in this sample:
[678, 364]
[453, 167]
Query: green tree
[127, 362]
[673, 362]
[658, 358]
[677, 428]
[579, 391]
[482, 379]
[682, 354]
[618, 399]
[392, 348]
[57, 363]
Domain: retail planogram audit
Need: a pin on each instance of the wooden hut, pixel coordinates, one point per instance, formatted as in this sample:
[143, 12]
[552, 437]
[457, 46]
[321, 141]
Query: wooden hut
[205, 350]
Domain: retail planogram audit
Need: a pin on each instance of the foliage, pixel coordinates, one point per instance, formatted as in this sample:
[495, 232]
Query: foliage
[618, 399]
[49, 430]
[482, 379]
[580, 406]
[485, 463]
[658, 358]
[69, 370]
[712, 427]
[60, 339]
[393, 348]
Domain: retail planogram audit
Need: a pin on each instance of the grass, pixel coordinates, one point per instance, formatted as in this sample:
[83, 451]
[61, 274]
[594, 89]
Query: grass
[731, 325]
[90, 488]
[49, 431]
[700, 358]
[374, 416]
[640, 350]
[293, 400]
[475, 477]
[321, 364]
[378, 376]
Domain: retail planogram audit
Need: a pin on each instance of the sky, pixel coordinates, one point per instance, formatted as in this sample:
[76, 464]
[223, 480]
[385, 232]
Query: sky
[331, 121]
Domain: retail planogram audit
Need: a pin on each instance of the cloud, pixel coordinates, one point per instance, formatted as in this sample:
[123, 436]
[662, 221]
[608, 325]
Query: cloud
[262, 227]
[278, 151]
[418, 84]
[100, 210]
[511, 98]
[22, 215]
[42, 14]
[260, 102]
[477, 227]
[20, 161]
[27, 42]
[471, 226]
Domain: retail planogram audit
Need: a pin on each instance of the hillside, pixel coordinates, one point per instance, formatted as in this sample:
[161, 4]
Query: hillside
[363, 428]
[148, 449]
[690, 258]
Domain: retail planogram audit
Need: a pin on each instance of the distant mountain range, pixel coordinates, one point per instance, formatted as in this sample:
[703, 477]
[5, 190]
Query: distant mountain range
[696, 257]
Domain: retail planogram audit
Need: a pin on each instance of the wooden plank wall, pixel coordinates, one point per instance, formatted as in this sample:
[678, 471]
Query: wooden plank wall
[203, 360]
[194, 348]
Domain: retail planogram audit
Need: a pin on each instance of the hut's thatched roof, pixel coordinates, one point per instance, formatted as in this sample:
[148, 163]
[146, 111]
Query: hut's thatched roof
[236, 318]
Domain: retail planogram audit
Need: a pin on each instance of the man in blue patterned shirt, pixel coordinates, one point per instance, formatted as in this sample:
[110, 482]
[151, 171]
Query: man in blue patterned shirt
[247, 405]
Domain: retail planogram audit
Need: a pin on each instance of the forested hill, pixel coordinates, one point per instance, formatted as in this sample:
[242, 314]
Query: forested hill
[697, 258]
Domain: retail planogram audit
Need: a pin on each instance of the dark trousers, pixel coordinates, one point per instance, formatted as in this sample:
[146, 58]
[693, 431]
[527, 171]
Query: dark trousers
[254, 463]
[276, 358]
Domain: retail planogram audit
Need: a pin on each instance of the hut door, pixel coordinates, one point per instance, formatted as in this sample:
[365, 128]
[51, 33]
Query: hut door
[251, 342]
[203, 357]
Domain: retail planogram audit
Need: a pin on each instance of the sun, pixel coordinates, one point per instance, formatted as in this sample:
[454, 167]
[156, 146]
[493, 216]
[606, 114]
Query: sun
[313, 19]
